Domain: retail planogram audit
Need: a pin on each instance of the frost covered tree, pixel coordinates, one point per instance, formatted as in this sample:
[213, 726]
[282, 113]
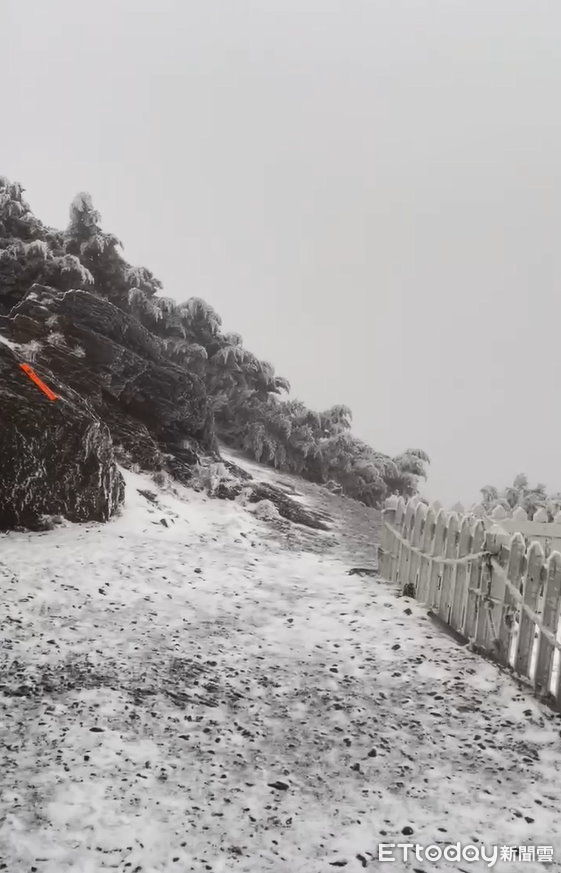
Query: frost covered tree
[282, 433]
[16, 219]
[335, 420]
[101, 254]
[31, 253]
[84, 225]
[353, 464]
[520, 493]
[411, 467]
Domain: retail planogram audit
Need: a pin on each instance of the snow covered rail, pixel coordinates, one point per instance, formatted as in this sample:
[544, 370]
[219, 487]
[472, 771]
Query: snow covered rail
[489, 584]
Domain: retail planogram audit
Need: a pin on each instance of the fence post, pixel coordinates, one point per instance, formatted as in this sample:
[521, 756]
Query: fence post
[526, 634]
[492, 592]
[398, 524]
[435, 574]
[499, 513]
[460, 578]
[550, 621]
[388, 540]
[474, 569]
[448, 570]
[405, 553]
[427, 549]
[509, 608]
[416, 540]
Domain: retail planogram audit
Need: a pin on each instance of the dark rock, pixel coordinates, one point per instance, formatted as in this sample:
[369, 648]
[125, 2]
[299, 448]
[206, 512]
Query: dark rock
[149, 495]
[280, 786]
[180, 459]
[157, 412]
[286, 506]
[131, 438]
[334, 487]
[57, 456]
[237, 472]
[407, 831]
[228, 489]
[101, 352]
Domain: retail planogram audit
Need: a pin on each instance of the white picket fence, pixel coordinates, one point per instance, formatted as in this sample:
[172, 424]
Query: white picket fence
[495, 580]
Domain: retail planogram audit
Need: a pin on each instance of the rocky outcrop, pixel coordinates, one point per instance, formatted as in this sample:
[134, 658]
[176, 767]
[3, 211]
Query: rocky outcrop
[57, 456]
[152, 406]
[121, 397]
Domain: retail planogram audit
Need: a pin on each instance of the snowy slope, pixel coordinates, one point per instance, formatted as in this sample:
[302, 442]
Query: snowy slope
[159, 678]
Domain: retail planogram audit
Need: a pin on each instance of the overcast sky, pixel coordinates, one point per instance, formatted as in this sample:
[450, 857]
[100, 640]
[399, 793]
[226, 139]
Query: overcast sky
[368, 191]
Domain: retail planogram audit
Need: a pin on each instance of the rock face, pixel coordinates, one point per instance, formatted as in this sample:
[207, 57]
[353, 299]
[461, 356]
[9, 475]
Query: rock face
[129, 366]
[57, 456]
[152, 406]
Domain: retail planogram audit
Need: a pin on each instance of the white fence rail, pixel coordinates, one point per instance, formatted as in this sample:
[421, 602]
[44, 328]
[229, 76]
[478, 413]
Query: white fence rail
[495, 581]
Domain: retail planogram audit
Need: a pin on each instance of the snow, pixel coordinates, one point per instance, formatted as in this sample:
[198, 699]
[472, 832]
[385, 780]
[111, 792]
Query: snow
[28, 350]
[161, 671]
[37, 248]
[9, 343]
[55, 338]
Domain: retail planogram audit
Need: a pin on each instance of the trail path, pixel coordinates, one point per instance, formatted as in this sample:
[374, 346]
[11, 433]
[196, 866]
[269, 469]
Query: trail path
[216, 694]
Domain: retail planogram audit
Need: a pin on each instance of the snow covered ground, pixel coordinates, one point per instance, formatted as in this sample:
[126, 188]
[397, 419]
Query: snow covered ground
[189, 688]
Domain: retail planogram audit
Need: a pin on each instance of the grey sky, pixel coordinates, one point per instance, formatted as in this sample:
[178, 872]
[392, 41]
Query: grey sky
[369, 192]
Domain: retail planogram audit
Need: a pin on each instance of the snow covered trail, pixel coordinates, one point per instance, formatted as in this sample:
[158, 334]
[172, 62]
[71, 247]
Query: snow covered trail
[188, 688]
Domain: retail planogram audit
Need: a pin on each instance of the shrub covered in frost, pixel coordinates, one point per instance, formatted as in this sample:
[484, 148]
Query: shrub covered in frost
[266, 510]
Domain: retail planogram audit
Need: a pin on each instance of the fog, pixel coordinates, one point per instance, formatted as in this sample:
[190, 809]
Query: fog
[369, 192]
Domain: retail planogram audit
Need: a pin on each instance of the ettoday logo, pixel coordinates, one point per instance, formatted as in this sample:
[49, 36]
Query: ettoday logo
[468, 853]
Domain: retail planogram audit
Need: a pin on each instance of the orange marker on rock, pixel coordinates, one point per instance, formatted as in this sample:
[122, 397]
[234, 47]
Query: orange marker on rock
[30, 372]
